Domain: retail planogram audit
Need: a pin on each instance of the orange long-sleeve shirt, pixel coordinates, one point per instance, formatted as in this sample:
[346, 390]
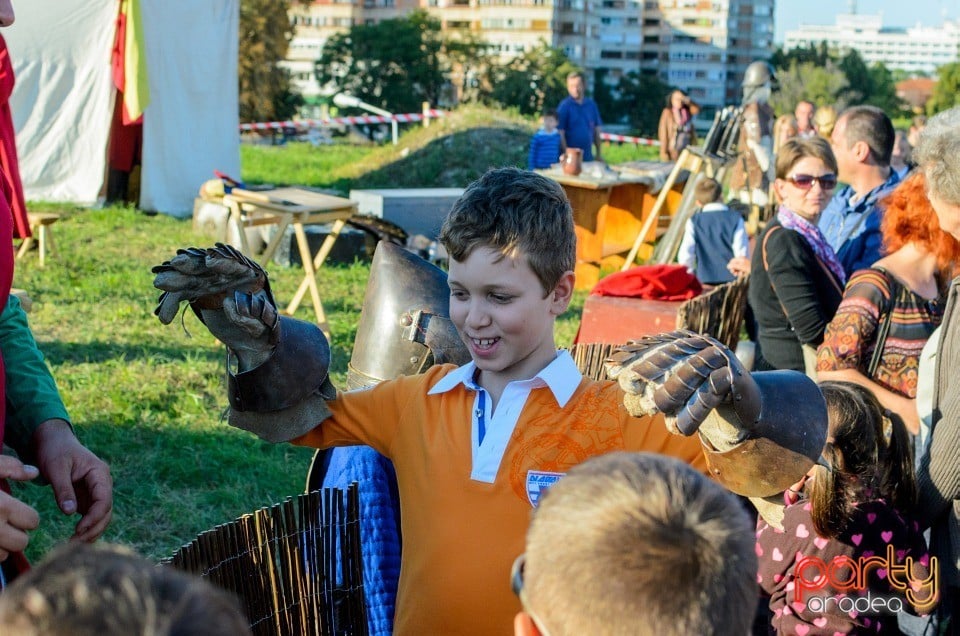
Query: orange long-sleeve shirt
[460, 536]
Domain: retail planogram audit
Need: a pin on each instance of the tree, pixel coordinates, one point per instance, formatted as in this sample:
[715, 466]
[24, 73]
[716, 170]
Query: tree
[531, 82]
[946, 93]
[641, 98]
[469, 61]
[821, 85]
[803, 74]
[883, 90]
[265, 34]
[859, 83]
[394, 64]
[816, 54]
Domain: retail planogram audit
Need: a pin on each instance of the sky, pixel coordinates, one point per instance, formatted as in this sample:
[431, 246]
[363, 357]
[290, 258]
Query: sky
[791, 13]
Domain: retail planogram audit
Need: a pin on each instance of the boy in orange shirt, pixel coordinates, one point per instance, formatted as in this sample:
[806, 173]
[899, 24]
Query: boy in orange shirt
[475, 446]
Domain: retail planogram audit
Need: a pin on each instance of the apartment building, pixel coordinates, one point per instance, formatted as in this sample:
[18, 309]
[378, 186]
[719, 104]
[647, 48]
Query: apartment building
[914, 49]
[702, 46]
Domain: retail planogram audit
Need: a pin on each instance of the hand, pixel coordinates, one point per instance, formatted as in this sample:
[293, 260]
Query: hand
[228, 291]
[16, 517]
[738, 265]
[80, 480]
[683, 375]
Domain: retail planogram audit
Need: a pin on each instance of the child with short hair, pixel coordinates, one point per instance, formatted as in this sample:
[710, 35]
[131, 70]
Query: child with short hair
[474, 446]
[847, 518]
[109, 590]
[546, 143]
[638, 544]
[713, 236]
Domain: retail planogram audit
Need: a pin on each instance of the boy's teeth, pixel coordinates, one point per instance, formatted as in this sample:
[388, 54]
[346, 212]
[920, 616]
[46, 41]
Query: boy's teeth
[486, 342]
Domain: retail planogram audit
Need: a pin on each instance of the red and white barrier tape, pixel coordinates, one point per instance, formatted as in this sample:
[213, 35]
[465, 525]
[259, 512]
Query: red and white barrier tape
[640, 141]
[302, 124]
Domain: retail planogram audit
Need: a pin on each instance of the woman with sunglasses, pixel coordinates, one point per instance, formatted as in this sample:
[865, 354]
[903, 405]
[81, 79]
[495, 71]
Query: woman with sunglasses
[796, 281]
[894, 305]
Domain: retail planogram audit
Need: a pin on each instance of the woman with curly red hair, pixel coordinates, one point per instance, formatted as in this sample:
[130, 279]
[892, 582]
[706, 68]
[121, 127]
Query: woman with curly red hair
[898, 302]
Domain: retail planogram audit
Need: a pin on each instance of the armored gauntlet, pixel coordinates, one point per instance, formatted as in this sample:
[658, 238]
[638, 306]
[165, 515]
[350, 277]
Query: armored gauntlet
[760, 432]
[277, 366]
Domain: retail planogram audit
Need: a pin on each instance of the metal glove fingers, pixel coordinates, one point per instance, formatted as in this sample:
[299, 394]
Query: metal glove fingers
[686, 376]
[254, 313]
[662, 362]
[204, 277]
[167, 306]
[621, 364]
[188, 260]
[178, 279]
[710, 394]
[640, 366]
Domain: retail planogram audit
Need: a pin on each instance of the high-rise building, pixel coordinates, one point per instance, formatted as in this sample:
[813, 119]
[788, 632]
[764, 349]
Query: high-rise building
[705, 46]
[701, 46]
[913, 49]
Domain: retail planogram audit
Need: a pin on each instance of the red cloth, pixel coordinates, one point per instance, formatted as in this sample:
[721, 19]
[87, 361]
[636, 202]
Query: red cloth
[18, 561]
[652, 282]
[9, 166]
[123, 151]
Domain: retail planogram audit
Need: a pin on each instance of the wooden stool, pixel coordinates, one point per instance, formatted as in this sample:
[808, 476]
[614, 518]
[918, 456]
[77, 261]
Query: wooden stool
[39, 228]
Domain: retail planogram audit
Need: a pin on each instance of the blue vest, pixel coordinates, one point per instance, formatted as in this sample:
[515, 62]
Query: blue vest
[713, 244]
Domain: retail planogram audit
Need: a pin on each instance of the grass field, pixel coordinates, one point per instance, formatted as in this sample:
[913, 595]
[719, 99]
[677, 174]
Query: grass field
[149, 399]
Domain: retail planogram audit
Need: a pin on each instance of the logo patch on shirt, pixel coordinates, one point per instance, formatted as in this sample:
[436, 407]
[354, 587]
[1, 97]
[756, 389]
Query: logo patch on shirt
[538, 482]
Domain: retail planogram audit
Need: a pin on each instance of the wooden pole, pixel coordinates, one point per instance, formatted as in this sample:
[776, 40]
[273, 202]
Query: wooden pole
[685, 158]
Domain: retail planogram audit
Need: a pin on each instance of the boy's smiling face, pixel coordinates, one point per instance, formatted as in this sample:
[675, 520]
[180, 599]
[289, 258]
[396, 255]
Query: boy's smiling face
[498, 306]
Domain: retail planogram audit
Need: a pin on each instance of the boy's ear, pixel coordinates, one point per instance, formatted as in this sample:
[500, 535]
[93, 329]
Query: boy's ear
[563, 292]
[523, 625]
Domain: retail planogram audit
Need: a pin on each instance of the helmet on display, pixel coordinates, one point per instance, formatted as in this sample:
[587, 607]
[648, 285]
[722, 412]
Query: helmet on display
[758, 74]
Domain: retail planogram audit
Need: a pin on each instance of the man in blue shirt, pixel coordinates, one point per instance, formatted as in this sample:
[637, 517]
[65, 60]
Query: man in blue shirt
[862, 141]
[579, 119]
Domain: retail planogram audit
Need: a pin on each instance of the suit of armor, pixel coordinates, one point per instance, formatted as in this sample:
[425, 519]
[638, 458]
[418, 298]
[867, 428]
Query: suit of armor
[753, 170]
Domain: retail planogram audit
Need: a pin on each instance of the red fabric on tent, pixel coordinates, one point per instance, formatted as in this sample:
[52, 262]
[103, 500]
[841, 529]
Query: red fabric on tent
[9, 166]
[652, 282]
[123, 151]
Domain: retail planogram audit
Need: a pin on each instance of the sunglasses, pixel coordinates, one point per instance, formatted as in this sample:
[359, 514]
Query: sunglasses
[806, 181]
[516, 584]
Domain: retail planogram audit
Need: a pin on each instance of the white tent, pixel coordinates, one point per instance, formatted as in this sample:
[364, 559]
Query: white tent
[63, 100]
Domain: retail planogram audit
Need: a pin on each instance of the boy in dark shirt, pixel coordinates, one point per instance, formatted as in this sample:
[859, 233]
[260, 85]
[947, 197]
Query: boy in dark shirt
[713, 236]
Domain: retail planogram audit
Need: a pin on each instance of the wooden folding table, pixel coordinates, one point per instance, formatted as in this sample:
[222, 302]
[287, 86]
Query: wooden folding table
[285, 207]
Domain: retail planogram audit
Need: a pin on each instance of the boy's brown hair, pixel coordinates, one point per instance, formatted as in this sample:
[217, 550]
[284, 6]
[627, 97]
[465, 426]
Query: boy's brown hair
[707, 190]
[104, 590]
[639, 543]
[513, 212]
